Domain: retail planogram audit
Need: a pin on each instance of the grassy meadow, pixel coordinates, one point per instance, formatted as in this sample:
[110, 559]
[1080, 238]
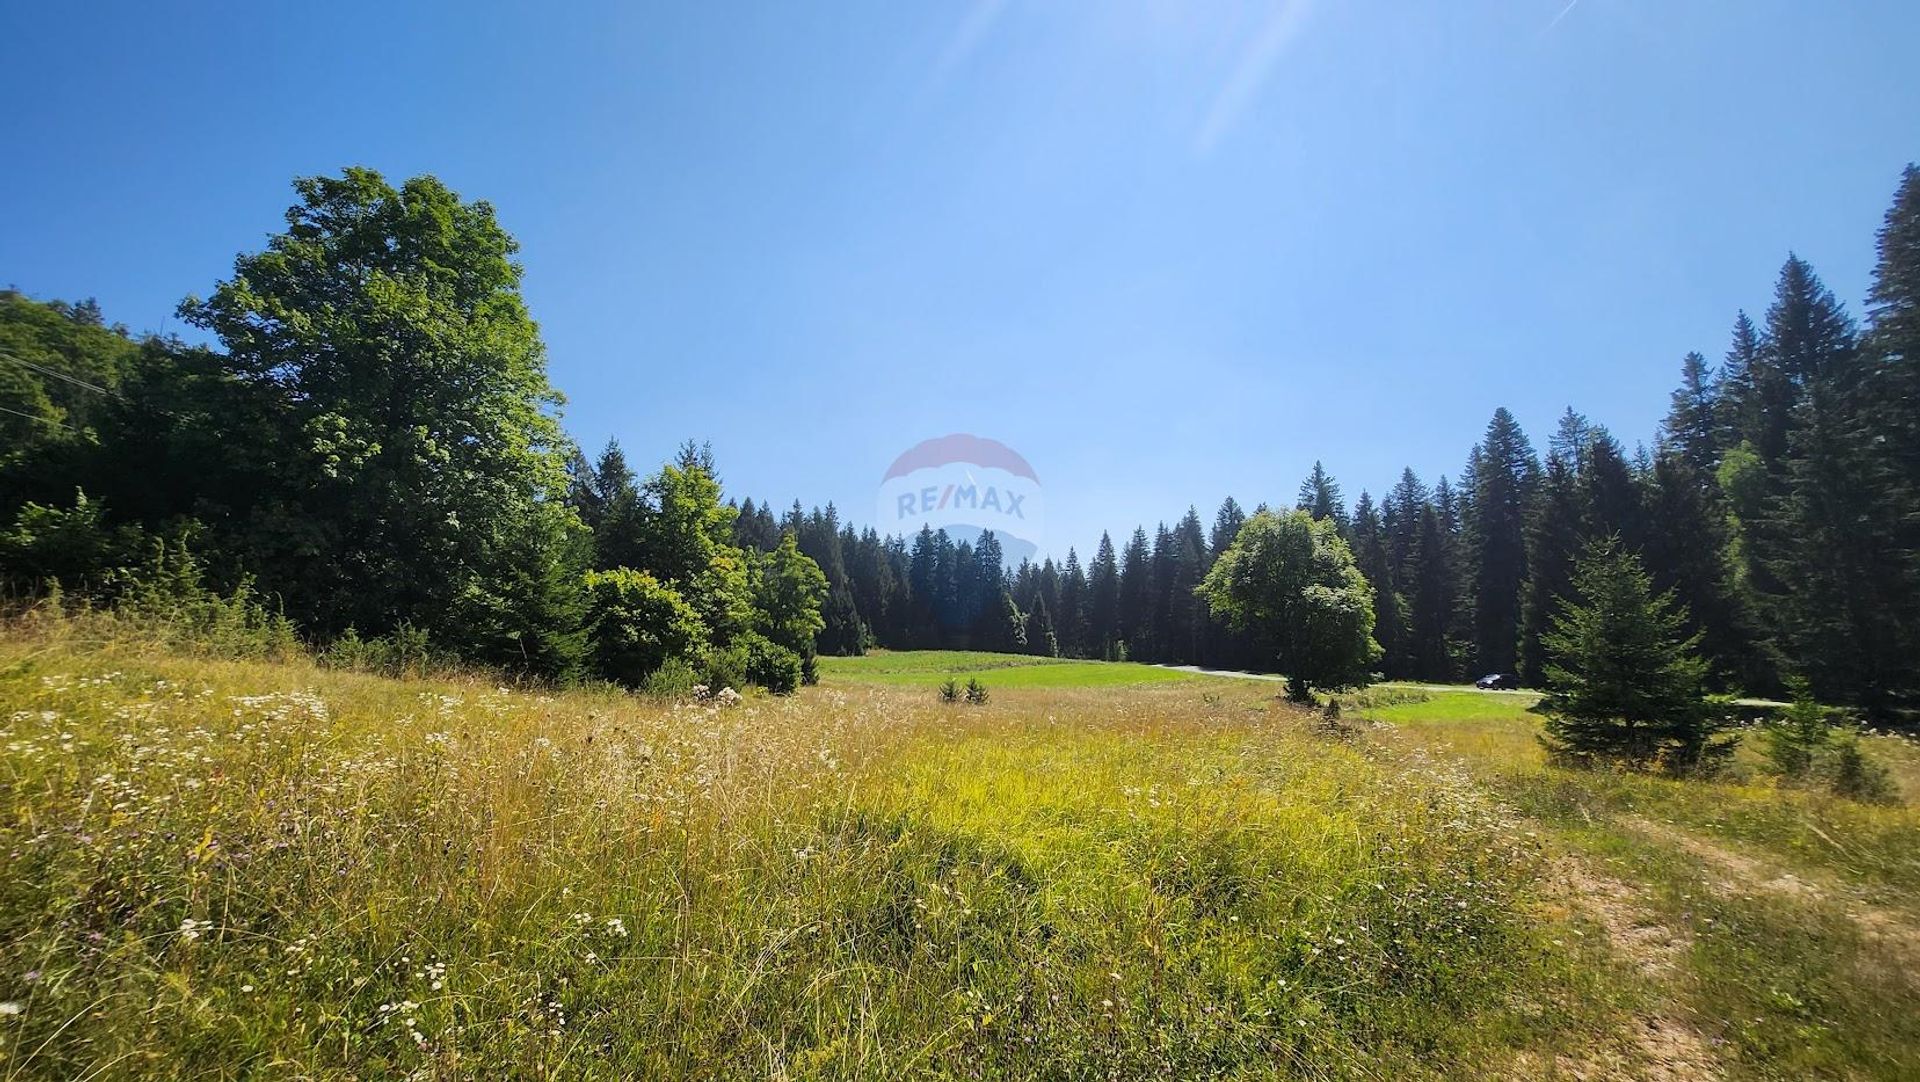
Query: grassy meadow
[226, 869]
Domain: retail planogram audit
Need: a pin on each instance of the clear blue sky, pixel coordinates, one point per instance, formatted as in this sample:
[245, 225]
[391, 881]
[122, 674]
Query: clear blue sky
[1169, 250]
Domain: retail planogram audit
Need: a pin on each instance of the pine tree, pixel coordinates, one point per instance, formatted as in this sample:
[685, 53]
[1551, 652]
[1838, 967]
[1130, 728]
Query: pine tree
[1136, 595]
[1042, 638]
[1553, 543]
[1504, 473]
[1371, 557]
[1103, 601]
[1692, 427]
[1434, 600]
[1320, 497]
[1072, 624]
[1624, 683]
[1734, 389]
[1609, 494]
[1572, 436]
[1686, 551]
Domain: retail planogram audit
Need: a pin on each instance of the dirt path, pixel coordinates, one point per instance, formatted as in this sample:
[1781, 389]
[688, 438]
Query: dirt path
[1660, 1046]
[1885, 930]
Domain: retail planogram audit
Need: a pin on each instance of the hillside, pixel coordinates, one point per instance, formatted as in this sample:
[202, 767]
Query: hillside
[223, 868]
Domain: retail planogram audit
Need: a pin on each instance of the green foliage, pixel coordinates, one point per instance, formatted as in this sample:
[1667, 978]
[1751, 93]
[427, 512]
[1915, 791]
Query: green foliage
[723, 667]
[1625, 684]
[677, 678]
[59, 372]
[404, 652]
[769, 664]
[950, 691]
[976, 692]
[1794, 742]
[789, 589]
[1292, 580]
[167, 600]
[635, 624]
[76, 547]
[415, 465]
[1803, 746]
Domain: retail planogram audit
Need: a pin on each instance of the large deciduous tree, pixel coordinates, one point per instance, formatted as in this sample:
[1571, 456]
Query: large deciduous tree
[1292, 580]
[418, 466]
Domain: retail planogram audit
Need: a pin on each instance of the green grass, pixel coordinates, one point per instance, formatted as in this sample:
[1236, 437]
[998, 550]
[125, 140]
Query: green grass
[226, 869]
[930, 668]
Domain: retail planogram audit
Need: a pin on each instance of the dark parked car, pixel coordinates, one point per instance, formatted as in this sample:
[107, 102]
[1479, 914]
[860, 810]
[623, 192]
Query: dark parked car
[1497, 681]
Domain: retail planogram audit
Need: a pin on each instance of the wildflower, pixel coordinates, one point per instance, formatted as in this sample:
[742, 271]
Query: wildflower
[11, 1009]
[616, 926]
[191, 929]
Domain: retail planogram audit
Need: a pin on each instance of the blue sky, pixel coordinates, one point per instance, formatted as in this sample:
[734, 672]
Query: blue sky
[1168, 250]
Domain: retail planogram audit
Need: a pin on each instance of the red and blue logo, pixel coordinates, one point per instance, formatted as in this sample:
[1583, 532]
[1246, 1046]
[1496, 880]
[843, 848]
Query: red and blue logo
[965, 485]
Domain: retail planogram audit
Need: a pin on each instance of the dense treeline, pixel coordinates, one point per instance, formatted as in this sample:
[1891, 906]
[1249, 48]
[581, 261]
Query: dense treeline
[374, 444]
[1780, 505]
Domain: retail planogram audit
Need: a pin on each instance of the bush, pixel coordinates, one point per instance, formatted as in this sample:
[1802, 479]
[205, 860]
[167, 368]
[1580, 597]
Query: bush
[1794, 742]
[635, 624]
[976, 693]
[771, 665]
[168, 599]
[1851, 773]
[809, 670]
[405, 652]
[676, 678]
[1802, 746]
[950, 692]
[72, 546]
[723, 667]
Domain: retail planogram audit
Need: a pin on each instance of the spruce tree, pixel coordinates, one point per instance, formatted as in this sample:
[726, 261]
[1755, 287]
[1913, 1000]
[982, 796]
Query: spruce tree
[1553, 543]
[1692, 427]
[1504, 473]
[1371, 557]
[1072, 623]
[1136, 594]
[1320, 497]
[1434, 599]
[1624, 684]
[1103, 601]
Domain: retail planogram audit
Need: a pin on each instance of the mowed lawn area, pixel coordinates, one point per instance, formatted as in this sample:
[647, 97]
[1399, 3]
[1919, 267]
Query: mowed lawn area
[931, 668]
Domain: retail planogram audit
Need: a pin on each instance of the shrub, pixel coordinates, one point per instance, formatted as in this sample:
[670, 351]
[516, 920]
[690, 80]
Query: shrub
[676, 678]
[950, 692]
[1851, 773]
[771, 665]
[1795, 741]
[635, 623]
[809, 670]
[168, 599]
[724, 667]
[976, 692]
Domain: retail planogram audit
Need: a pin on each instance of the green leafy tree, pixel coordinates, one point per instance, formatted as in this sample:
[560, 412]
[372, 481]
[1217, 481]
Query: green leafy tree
[685, 539]
[789, 591]
[1293, 579]
[1624, 682]
[636, 623]
[417, 459]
